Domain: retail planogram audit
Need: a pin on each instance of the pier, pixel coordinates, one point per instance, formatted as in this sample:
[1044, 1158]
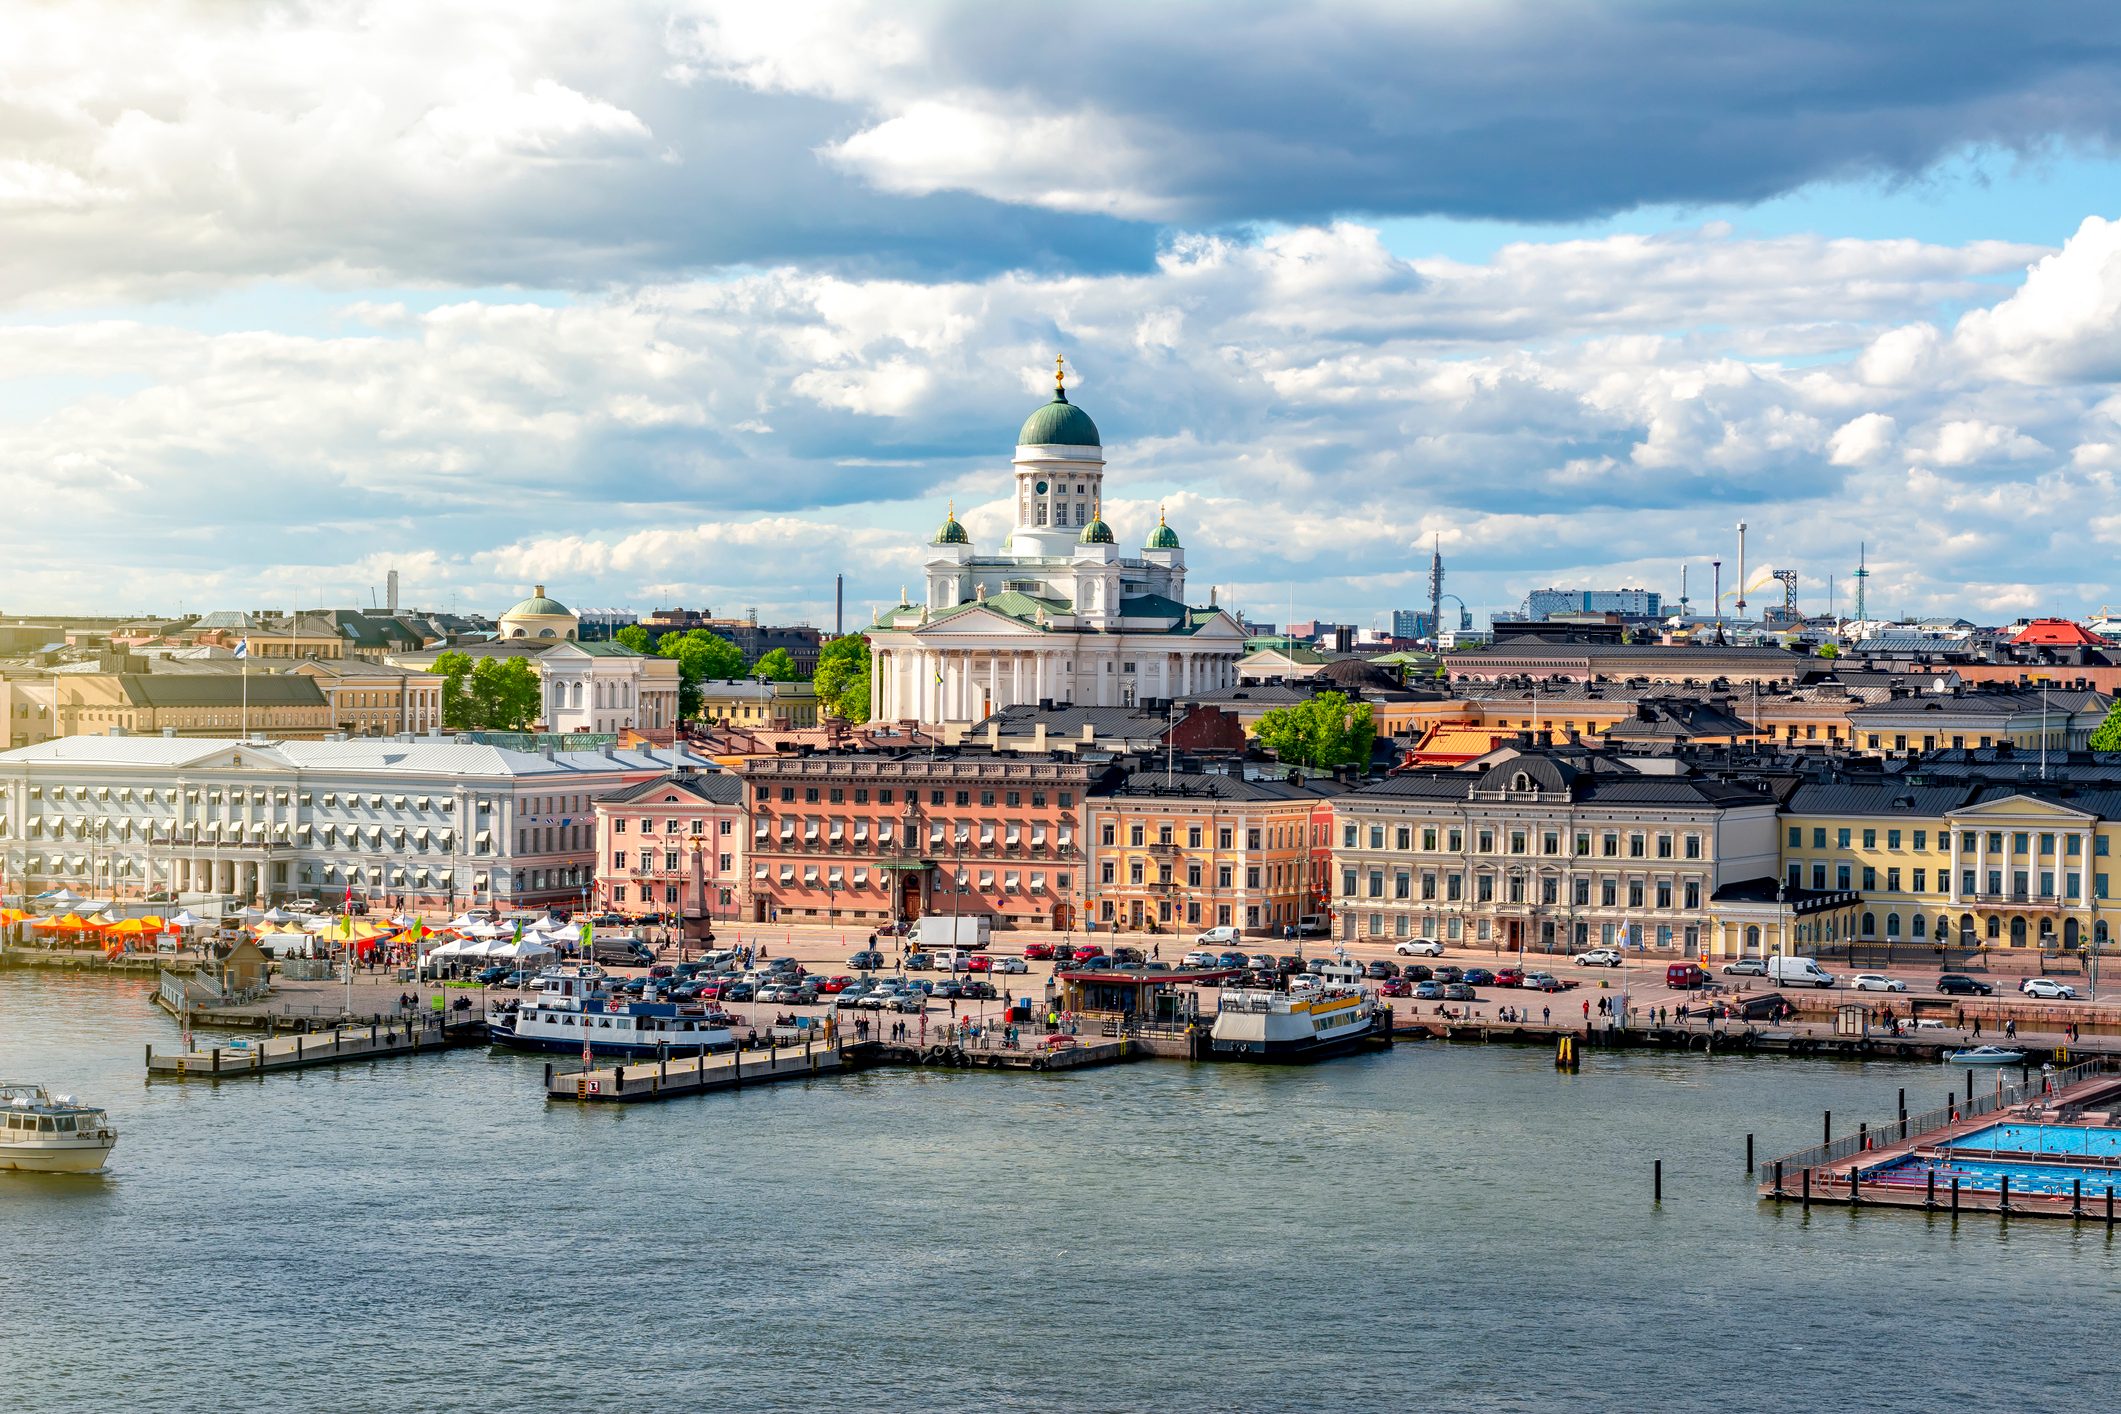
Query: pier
[668, 1077]
[267, 1055]
[2048, 1145]
[1746, 1038]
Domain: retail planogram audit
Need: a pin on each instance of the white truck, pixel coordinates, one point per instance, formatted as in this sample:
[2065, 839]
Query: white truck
[1787, 971]
[938, 932]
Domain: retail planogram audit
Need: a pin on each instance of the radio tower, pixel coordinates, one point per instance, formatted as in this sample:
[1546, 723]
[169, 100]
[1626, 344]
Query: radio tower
[1436, 593]
[1789, 594]
[1862, 575]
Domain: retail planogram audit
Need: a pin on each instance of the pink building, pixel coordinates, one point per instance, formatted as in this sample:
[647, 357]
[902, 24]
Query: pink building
[673, 846]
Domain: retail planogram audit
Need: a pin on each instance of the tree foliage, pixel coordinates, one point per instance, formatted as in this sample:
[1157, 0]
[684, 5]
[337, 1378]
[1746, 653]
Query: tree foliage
[2107, 735]
[1324, 732]
[489, 694]
[700, 655]
[842, 678]
[1828, 650]
[634, 637]
[776, 666]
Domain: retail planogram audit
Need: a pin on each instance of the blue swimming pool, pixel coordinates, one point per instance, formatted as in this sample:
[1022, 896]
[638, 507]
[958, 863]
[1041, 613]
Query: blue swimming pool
[1984, 1176]
[2044, 1139]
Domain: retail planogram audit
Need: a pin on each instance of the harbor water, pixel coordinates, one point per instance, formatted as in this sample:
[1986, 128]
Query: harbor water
[1454, 1227]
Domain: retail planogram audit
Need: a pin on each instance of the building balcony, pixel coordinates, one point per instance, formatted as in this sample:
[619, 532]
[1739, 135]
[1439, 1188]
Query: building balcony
[2020, 898]
[1163, 850]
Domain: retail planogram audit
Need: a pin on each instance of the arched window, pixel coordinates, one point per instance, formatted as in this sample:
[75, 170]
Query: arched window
[577, 694]
[1892, 925]
[2017, 932]
[2072, 934]
[1752, 937]
[1870, 925]
[1921, 926]
[1521, 781]
[2099, 933]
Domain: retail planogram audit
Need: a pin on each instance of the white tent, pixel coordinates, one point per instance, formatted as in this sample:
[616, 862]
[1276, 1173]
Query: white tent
[491, 930]
[404, 920]
[61, 897]
[279, 915]
[185, 919]
[525, 951]
[466, 920]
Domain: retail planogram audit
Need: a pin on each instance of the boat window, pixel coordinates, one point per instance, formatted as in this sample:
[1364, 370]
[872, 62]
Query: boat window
[44, 1124]
[65, 1123]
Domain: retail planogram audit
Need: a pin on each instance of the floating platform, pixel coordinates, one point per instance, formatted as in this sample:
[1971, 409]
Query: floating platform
[1739, 1038]
[1028, 1055]
[266, 1055]
[669, 1077]
[2047, 1146]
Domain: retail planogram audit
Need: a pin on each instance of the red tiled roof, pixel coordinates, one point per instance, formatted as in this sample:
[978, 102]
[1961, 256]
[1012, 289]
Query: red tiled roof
[2059, 633]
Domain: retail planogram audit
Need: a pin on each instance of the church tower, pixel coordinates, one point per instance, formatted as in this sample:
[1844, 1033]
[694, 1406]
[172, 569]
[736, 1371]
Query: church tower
[1060, 476]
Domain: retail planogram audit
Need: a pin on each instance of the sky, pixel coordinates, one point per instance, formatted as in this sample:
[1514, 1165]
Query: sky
[703, 304]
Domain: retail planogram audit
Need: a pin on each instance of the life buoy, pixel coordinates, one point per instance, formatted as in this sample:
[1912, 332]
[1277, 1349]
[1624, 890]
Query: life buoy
[1039, 1063]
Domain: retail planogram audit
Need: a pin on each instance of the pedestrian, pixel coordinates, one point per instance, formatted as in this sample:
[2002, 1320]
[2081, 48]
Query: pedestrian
[1587, 1010]
[1546, 1014]
[1977, 1028]
[2010, 1029]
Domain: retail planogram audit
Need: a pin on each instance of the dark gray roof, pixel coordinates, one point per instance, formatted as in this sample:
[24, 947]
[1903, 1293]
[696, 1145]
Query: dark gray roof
[714, 787]
[1211, 785]
[220, 690]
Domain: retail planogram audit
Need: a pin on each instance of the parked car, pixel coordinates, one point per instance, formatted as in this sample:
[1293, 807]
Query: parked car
[1448, 974]
[1459, 992]
[947, 991]
[1958, 984]
[979, 962]
[867, 960]
[1261, 962]
[1684, 975]
[979, 992]
[1013, 965]
[1395, 987]
[1746, 967]
[1199, 957]
[833, 986]
[775, 993]
[1416, 972]
[912, 1003]
[898, 928]
[1876, 982]
[920, 961]
[1086, 952]
[1426, 991]
[518, 979]
[2048, 989]
[1233, 959]
[1220, 936]
[739, 992]
[1599, 957]
[1038, 952]
[662, 969]
[1544, 982]
[1479, 977]
[1378, 971]
[1510, 977]
[491, 976]
[1419, 947]
[1287, 963]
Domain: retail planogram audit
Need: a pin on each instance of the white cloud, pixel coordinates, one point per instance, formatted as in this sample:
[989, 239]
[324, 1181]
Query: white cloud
[1861, 439]
[2064, 323]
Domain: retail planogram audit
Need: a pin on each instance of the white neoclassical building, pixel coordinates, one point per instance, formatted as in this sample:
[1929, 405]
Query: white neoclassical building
[1059, 614]
[608, 688]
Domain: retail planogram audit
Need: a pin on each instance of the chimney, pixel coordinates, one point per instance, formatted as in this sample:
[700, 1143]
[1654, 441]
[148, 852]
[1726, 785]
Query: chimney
[1038, 738]
[994, 733]
[1089, 733]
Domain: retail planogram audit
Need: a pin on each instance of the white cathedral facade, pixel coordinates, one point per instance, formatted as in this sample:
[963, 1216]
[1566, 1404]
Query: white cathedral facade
[1058, 614]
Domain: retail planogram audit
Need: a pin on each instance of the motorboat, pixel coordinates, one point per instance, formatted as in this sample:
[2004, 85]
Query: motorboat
[45, 1133]
[1308, 1022]
[573, 1006]
[1985, 1055]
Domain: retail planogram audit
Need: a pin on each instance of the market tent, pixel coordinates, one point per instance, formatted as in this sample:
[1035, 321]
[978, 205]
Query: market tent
[525, 951]
[60, 898]
[184, 918]
[279, 915]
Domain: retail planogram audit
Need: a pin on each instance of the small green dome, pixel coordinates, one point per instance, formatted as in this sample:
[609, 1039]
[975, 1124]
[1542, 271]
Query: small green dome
[1059, 423]
[952, 533]
[538, 605]
[1163, 537]
[1095, 533]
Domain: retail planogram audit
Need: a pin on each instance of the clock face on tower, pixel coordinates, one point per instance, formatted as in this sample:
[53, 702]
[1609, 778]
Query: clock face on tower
[1040, 488]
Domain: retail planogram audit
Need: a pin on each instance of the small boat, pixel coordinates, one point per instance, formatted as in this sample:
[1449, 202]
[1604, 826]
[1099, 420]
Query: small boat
[1298, 1025]
[570, 1006]
[45, 1133]
[1985, 1055]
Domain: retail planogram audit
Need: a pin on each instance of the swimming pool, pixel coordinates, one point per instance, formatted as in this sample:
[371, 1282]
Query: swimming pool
[2044, 1139]
[1986, 1176]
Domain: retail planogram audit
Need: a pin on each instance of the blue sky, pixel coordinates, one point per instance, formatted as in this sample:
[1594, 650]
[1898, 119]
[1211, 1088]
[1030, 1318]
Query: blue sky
[705, 303]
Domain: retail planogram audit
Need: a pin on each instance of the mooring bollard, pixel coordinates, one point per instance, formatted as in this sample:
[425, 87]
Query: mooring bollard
[2109, 1207]
[1970, 1087]
[1657, 1181]
[298, 1048]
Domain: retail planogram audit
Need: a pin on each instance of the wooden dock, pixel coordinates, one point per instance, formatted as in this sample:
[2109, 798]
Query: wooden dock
[1747, 1038]
[668, 1077]
[266, 1055]
[1029, 1054]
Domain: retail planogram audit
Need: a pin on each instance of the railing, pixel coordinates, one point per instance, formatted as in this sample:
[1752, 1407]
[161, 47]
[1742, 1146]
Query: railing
[2024, 898]
[1897, 1130]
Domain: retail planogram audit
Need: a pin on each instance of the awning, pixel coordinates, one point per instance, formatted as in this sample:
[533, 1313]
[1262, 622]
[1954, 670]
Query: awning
[904, 866]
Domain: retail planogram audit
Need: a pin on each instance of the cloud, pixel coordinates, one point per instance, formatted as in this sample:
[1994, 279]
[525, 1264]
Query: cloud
[171, 148]
[2063, 323]
[1309, 408]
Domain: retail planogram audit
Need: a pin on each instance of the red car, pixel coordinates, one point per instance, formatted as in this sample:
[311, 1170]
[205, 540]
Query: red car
[1037, 952]
[1394, 987]
[979, 962]
[1510, 977]
[834, 984]
[1086, 952]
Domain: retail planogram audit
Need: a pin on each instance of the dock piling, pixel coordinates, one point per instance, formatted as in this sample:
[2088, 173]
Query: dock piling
[1778, 1178]
[1903, 1112]
[2076, 1197]
[1863, 1136]
[1855, 1186]
[1929, 1193]
[2005, 1206]
[150, 1055]
[1826, 1128]
[1955, 1196]
[1748, 1153]
[1657, 1181]
[1807, 1190]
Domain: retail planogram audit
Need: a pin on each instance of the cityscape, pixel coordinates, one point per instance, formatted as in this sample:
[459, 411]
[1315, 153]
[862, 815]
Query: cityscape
[606, 708]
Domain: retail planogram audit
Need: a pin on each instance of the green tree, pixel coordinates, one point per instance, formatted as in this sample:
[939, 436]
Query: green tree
[1828, 650]
[842, 678]
[456, 701]
[634, 637]
[2107, 735]
[776, 666]
[1326, 731]
[504, 694]
[700, 655]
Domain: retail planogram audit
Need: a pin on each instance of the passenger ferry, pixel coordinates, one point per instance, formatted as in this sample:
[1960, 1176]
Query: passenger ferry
[568, 1004]
[1262, 1025]
[44, 1133]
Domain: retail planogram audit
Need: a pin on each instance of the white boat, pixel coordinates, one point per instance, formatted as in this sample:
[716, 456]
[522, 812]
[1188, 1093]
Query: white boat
[1985, 1055]
[44, 1133]
[1262, 1025]
[570, 1006]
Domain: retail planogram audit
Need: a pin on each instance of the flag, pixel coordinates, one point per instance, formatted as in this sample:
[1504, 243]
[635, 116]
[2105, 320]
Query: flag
[519, 931]
[242, 648]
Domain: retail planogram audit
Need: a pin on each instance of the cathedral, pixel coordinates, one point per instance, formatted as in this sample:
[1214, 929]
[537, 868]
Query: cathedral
[1058, 614]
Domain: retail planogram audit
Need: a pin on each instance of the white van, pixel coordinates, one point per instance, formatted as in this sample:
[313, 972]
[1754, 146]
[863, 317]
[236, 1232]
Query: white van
[1797, 972]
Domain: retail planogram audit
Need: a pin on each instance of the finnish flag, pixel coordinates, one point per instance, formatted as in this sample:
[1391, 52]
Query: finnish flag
[242, 648]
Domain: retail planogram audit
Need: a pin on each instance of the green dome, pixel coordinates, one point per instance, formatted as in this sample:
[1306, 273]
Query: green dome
[952, 533]
[1163, 537]
[1095, 533]
[1059, 423]
[539, 604]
